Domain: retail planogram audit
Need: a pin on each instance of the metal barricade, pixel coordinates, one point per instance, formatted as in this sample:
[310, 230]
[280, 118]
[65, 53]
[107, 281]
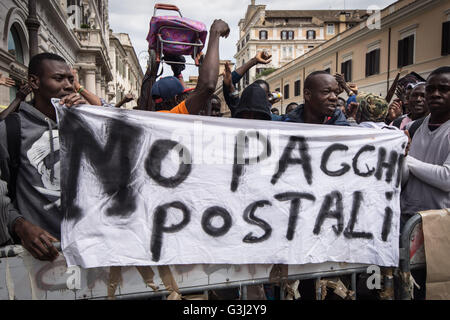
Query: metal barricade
[412, 255]
[20, 273]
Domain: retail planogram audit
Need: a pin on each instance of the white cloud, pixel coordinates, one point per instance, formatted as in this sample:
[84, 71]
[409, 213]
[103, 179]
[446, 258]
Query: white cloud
[133, 17]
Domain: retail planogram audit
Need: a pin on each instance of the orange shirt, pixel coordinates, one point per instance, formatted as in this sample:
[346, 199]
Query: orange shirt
[181, 108]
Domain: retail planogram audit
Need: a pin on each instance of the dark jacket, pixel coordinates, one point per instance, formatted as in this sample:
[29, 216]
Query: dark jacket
[338, 118]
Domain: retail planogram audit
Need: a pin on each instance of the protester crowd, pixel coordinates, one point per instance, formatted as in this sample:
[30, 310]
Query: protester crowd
[29, 147]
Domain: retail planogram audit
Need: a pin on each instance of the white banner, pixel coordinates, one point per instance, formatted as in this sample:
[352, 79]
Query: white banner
[143, 188]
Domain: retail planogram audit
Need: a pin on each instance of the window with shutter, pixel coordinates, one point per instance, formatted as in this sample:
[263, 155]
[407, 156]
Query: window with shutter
[287, 35]
[406, 51]
[346, 69]
[349, 73]
[310, 34]
[446, 38]
[400, 54]
[373, 62]
[330, 28]
[410, 52]
[377, 61]
[367, 64]
[263, 35]
[286, 91]
[297, 88]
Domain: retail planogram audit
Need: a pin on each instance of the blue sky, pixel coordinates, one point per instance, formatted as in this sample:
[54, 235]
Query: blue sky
[133, 17]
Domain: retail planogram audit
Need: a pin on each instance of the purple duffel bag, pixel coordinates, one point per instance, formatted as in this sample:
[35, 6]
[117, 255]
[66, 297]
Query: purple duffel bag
[190, 32]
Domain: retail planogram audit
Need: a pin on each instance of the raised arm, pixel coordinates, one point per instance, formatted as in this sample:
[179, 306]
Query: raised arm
[209, 70]
[341, 81]
[229, 91]
[261, 58]
[128, 97]
[91, 98]
[5, 81]
[21, 95]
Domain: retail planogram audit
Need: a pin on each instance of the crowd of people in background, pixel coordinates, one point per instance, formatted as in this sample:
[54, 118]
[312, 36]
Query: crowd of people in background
[29, 162]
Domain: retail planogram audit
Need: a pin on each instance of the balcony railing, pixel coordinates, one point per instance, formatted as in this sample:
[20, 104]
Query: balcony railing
[89, 37]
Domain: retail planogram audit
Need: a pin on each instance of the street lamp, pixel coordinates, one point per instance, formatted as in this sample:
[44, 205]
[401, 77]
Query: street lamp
[33, 25]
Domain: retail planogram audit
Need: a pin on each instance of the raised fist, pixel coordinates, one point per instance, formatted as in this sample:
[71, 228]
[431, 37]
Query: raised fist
[220, 27]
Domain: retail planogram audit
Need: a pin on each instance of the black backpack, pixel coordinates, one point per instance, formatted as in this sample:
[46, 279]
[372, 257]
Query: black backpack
[13, 138]
[415, 125]
[397, 122]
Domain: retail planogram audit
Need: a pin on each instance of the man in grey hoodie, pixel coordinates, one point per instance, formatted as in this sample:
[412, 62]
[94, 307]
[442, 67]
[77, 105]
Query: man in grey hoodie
[29, 160]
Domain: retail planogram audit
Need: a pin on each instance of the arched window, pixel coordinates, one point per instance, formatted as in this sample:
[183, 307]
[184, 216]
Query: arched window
[15, 44]
[310, 35]
[263, 35]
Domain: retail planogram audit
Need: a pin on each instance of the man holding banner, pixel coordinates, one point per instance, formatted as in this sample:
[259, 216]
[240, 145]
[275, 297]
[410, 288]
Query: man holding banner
[33, 135]
[29, 159]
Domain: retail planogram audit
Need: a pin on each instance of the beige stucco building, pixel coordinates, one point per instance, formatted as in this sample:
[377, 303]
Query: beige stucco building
[77, 30]
[409, 36]
[287, 34]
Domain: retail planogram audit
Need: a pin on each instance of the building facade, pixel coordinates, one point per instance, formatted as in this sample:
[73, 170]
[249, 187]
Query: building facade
[126, 70]
[77, 30]
[409, 35]
[287, 34]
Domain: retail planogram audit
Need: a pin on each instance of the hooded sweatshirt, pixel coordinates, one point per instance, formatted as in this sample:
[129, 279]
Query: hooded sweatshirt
[38, 180]
[253, 99]
[259, 105]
